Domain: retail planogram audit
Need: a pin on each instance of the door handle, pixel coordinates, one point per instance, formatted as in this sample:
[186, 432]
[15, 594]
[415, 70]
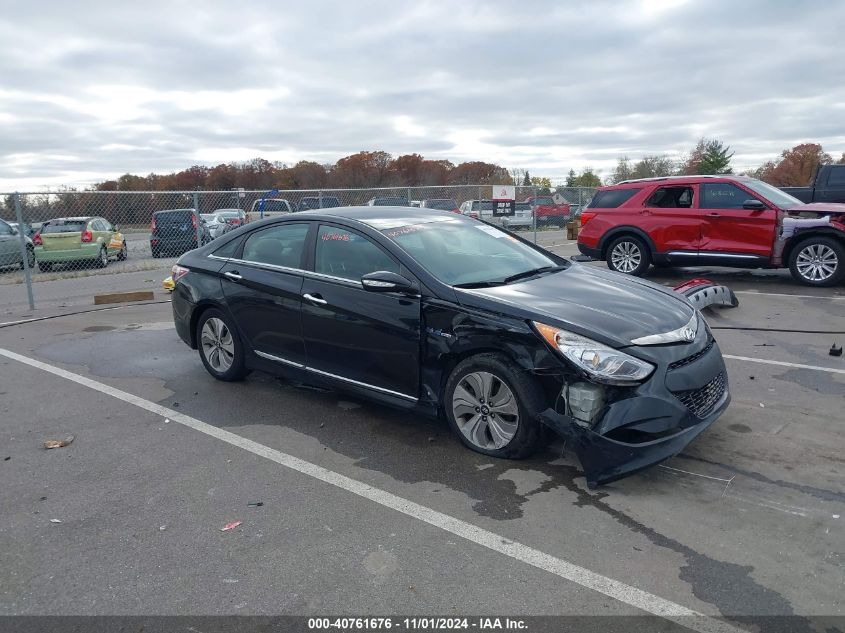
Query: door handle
[714, 215]
[646, 212]
[234, 276]
[315, 299]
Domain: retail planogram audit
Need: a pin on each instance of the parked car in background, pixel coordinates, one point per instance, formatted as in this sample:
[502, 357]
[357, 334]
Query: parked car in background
[317, 202]
[478, 209]
[438, 314]
[548, 212]
[222, 221]
[78, 240]
[10, 247]
[388, 201]
[523, 217]
[713, 221]
[28, 229]
[443, 204]
[270, 207]
[176, 231]
[828, 185]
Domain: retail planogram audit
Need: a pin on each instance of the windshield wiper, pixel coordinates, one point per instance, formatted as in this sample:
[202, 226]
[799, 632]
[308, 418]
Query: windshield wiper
[531, 273]
[479, 284]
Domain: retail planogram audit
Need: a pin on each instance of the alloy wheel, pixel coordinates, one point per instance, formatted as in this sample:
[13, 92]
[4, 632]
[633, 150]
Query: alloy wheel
[626, 257]
[485, 410]
[218, 347]
[817, 262]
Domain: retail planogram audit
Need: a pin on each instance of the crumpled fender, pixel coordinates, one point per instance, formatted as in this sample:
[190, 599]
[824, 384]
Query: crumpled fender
[703, 293]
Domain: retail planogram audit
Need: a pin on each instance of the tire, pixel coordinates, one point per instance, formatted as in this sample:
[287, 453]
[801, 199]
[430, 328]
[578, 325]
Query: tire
[30, 258]
[45, 267]
[123, 253]
[818, 261]
[103, 258]
[517, 425]
[228, 363]
[628, 255]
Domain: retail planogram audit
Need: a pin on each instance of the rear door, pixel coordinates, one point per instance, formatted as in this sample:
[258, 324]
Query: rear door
[833, 189]
[365, 338]
[674, 225]
[263, 291]
[10, 252]
[732, 235]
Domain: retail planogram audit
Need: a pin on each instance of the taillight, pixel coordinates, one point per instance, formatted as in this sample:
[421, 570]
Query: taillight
[153, 225]
[177, 272]
[586, 217]
[87, 236]
[36, 239]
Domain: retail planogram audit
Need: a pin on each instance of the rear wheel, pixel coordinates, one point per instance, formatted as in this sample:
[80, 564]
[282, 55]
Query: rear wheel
[30, 258]
[220, 347]
[492, 407]
[124, 253]
[103, 258]
[818, 261]
[629, 255]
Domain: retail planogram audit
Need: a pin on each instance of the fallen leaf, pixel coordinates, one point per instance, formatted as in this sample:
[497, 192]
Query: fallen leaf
[230, 526]
[55, 520]
[58, 443]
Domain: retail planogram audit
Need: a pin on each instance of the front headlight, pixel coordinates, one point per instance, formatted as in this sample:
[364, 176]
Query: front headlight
[604, 364]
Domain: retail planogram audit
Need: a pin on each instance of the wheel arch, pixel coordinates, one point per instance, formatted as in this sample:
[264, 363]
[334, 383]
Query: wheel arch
[197, 312]
[621, 231]
[796, 239]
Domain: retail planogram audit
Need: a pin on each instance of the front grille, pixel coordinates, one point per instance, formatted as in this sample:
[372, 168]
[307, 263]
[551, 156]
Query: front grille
[693, 358]
[701, 401]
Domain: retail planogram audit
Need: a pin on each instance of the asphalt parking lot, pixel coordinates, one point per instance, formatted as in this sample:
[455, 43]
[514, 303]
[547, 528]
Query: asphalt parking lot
[366, 510]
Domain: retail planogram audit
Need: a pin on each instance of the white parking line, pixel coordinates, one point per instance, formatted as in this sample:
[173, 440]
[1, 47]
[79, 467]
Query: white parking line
[783, 363]
[615, 589]
[784, 294]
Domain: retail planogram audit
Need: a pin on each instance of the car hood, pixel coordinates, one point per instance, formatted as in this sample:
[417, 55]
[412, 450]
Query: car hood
[603, 305]
[818, 207]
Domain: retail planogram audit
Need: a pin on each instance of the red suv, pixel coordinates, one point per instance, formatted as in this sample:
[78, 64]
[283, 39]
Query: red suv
[713, 221]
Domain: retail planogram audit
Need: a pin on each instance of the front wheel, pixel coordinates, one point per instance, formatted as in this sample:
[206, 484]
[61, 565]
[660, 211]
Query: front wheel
[493, 407]
[124, 253]
[818, 261]
[628, 254]
[30, 258]
[220, 347]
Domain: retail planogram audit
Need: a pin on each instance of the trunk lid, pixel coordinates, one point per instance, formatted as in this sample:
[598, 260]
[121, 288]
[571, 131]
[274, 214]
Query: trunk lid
[63, 235]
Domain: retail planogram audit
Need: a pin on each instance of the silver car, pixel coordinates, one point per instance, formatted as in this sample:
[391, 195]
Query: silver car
[10, 247]
[523, 217]
[223, 220]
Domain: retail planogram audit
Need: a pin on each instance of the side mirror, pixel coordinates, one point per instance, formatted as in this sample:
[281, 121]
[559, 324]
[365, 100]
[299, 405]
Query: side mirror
[754, 205]
[386, 281]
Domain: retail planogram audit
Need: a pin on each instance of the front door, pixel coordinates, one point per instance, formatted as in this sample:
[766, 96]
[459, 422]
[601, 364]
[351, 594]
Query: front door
[365, 338]
[10, 247]
[263, 289]
[732, 235]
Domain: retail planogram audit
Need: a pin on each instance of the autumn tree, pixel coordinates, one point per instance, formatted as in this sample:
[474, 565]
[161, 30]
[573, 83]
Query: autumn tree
[478, 173]
[709, 156]
[587, 178]
[543, 184]
[796, 167]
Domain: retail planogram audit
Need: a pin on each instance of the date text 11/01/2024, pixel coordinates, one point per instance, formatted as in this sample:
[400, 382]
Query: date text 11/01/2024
[415, 623]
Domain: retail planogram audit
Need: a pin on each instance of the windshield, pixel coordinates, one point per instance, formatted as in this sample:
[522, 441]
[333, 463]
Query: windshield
[64, 226]
[458, 252]
[772, 194]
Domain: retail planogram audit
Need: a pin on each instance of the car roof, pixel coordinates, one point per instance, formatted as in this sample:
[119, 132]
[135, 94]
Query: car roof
[682, 179]
[379, 218]
[79, 218]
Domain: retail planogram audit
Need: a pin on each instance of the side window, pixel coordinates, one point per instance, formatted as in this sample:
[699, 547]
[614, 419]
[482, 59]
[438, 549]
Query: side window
[612, 198]
[96, 225]
[836, 177]
[5, 229]
[229, 249]
[671, 198]
[344, 253]
[280, 245]
[723, 195]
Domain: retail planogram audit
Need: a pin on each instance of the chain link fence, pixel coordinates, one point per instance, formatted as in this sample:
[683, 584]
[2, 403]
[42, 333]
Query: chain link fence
[59, 248]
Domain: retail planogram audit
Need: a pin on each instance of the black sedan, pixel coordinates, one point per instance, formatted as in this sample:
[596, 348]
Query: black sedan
[450, 316]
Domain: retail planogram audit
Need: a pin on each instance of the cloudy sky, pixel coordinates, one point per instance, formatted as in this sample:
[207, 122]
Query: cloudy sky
[90, 90]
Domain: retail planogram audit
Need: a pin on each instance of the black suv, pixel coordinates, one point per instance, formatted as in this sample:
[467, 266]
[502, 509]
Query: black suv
[177, 231]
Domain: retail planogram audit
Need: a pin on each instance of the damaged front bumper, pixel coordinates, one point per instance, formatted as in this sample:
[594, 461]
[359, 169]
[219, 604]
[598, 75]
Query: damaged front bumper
[653, 422]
